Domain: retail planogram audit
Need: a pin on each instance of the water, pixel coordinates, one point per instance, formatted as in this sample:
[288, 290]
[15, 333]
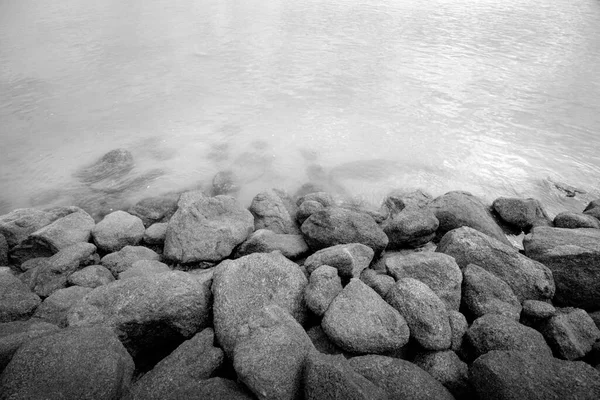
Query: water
[497, 98]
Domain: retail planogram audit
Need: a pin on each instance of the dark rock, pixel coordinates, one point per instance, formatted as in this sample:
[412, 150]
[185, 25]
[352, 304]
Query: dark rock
[266, 241]
[274, 210]
[378, 281]
[448, 369]
[529, 279]
[213, 389]
[573, 255]
[14, 334]
[114, 164]
[458, 326]
[322, 342]
[155, 234]
[573, 220]
[570, 332]
[410, 228]
[83, 363]
[55, 307]
[324, 285]
[535, 311]
[593, 209]
[17, 302]
[144, 267]
[3, 250]
[124, 258]
[349, 259]
[17, 225]
[521, 213]
[117, 230]
[64, 232]
[153, 210]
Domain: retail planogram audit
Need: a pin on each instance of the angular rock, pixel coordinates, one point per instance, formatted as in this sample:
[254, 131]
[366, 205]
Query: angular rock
[274, 210]
[593, 209]
[438, 271]
[378, 281]
[91, 276]
[243, 286]
[570, 332]
[17, 225]
[324, 285]
[458, 326]
[573, 220]
[448, 369]
[117, 230]
[206, 229]
[528, 279]
[358, 320]
[155, 233]
[521, 213]
[17, 302]
[485, 293]
[64, 232]
[14, 334]
[349, 259]
[573, 256]
[425, 314]
[55, 307]
[124, 258]
[410, 228]
[144, 267]
[153, 210]
[266, 241]
[52, 367]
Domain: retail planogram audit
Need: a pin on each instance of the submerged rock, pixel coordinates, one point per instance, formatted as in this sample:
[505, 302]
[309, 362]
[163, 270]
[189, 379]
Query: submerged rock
[114, 164]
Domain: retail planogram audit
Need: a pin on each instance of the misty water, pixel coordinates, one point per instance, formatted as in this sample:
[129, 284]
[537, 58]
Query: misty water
[499, 98]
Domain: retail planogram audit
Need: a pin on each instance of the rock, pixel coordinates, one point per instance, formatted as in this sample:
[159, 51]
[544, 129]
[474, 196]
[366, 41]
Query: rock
[521, 213]
[306, 209]
[266, 241]
[52, 367]
[324, 285]
[151, 313]
[358, 320]
[213, 389]
[378, 281]
[570, 332]
[323, 198]
[535, 311]
[3, 250]
[55, 307]
[274, 210]
[398, 201]
[593, 209]
[17, 302]
[91, 276]
[528, 279]
[206, 229]
[497, 332]
[425, 314]
[117, 230]
[64, 232]
[334, 225]
[573, 255]
[485, 293]
[458, 209]
[225, 183]
[410, 228]
[155, 234]
[349, 259]
[33, 263]
[321, 341]
[364, 207]
[144, 267]
[438, 271]
[595, 317]
[332, 377]
[194, 360]
[114, 164]
[573, 220]
[458, 326]
[270, 352]
[14, 334]
[399, 378]
[17, 225]
[243, 286]
[448, 369]
[153, 210]
[124, 258]
[501, 375]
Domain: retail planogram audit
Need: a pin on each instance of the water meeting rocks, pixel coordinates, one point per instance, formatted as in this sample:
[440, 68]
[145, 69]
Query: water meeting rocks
[152, 210]
[521, 213]
[114, 164]
[573, 220]
[274, 210]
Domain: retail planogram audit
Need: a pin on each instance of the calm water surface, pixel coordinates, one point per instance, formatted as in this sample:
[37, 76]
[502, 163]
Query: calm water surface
[497, 98]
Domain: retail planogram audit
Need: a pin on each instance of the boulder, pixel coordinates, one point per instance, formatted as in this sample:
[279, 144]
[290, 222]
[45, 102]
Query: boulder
[438, 271]
[306, 209]
[573, 220]
[359, 321]
[91, 276]
[64, 232]
[274, 210]
[485, 293]
[154, 210]
[225, 183]
[593, 209]
[52, 367]
[573, 255]
[332, 226]
[14, 334]
[570, 332]
[535, 311]
[114, 164]
[458, 209]
[117, 230]
[447, 369]
[247, 284]
[155, 234]
[206, 229]
[349, 259]
[458, 326]
[399, 200]
[523, 214]
[17, 302]
[502, 375]
[410, 228]
[266, 241]
[55, 307]
[529, 279]
[17, 225]
[3, 250]
[213, 389]
[144, 267]
[380, 282]
[123, 259]
[324, 285]
[323, 198]
[321, 341]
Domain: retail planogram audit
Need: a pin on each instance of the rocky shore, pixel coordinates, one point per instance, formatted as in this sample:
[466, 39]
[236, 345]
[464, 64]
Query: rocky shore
[193, 296]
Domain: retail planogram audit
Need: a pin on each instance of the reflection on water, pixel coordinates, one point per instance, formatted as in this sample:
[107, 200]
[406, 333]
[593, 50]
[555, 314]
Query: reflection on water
[497, 98]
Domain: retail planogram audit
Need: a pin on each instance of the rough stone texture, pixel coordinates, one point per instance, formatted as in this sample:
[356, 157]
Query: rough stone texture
[270, 352]
[55, 307]
[458, 326]
[194, 360]
[398, 201]
[334, 225]
[410, 228]
[243, 286]
[266, 241]
[147, 311]
[502, 375]
[3, 250]
[84, 363]
[521, 213]
[573, 220]
[17, 302]
[144, 267]
[323, 198]
[17, 225]
[349, 259]
[573, 255]
[497, 332]
[448, 369]
[399, 378]
[64, 232]
[425, 314]
[321, 341]
[274, 210]
[206, 229]
[457, 209]
[485, 293]
[529, 279]
[153, 210]
[358, 320]
[210, 389]
[378, 281]
[306, 209]
[324, 285]
[535, 311]
[14, 334]
[570, 332]
[155, 233]
[438, 271]
[332, 377]
[91, 276]
[117, 230]
[124, 258]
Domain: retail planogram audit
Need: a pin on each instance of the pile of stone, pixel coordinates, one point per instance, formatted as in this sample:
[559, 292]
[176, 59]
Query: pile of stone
[198, 297]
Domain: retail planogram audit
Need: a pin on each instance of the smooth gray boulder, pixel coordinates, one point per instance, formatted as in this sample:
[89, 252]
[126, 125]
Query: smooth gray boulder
[153, 210]
[447, 369]
[359, 321]
[521, 213]
[14, 334]
[380, 282]
[17, 302]
[529, 279]
[573, 220]
[17, 225]
[155, 234]
[124, 259]
[117, 230]
[266, 241]
[573, 256]
[274, 210]
[410, 228]
[324, 284]
[438, 271]
[64, 232]
[55, 307]
[144, 267]
[570, 332]
[206, 228]
[91, 276]
[349, 259]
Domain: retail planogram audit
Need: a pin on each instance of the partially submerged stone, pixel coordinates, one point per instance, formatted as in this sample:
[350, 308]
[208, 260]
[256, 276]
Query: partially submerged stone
[573, 220]
[274, 210]
[153, 210]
